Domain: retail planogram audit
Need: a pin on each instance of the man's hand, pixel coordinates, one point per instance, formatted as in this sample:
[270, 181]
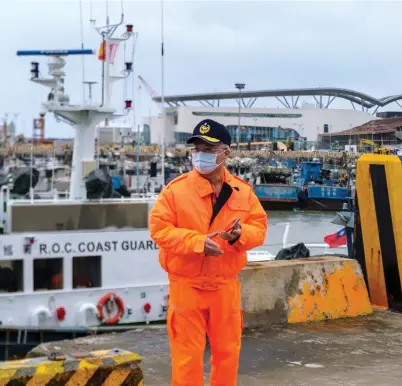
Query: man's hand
[211, 248]
[233, 235]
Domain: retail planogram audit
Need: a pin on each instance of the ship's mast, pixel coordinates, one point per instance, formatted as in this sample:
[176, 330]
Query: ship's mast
[163, 96]
[84, 117]
[83, 56]
[109, 45]
[108, 40]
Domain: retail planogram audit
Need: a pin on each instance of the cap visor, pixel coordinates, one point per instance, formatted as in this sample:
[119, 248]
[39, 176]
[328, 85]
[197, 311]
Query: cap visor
[210, 140]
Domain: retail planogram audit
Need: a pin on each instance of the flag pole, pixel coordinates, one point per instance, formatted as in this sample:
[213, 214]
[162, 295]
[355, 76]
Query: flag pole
[107, 59]
[163, 98]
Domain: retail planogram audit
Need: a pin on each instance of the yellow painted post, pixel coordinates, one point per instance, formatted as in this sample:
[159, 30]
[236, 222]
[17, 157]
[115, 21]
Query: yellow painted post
[378, 229]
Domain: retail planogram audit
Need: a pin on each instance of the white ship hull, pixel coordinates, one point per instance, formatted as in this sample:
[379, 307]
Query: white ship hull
[129, 268]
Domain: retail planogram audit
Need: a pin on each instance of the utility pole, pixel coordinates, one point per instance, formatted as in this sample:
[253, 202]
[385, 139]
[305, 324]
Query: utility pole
[138, 144]
[350, 136]
[239, 86]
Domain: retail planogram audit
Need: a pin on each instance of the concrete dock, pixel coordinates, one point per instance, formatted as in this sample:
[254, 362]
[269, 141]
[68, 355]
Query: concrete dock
[365, 350]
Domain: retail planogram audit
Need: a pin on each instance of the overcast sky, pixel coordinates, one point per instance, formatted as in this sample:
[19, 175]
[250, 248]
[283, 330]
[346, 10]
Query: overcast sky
[208, 47]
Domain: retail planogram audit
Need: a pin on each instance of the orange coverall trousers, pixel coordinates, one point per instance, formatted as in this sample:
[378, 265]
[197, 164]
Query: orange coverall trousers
[195, 313]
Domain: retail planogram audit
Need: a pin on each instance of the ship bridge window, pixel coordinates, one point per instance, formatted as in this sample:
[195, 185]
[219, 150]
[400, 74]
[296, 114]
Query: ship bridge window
[11, 276]
[87, 272]
[48, 274]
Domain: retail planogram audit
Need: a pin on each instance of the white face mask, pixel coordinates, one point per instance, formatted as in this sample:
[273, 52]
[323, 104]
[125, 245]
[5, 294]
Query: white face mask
[205, 163]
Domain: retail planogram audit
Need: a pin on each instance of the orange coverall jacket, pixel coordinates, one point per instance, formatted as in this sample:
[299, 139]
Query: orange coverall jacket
[180, 221]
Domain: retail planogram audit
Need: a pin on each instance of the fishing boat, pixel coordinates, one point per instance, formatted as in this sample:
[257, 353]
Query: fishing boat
[321, 189]
[310, 186]
[274, 186]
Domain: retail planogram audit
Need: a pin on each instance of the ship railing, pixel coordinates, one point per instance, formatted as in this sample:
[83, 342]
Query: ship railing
[65, 194]
[52, 198]
[77, 201]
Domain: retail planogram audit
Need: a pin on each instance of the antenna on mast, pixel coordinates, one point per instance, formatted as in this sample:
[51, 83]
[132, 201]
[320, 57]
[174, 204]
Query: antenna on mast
[82, 56]
[92, 21]
[80, 116]
[163, 98]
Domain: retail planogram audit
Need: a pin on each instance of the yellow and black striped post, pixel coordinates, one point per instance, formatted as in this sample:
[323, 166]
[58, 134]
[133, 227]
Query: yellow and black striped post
[97, 368]
[378, 227]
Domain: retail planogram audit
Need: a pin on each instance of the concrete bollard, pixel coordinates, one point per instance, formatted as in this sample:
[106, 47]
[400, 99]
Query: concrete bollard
[303, 290]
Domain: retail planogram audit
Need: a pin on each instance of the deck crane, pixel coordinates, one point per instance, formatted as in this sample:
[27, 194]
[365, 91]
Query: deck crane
[151, 92]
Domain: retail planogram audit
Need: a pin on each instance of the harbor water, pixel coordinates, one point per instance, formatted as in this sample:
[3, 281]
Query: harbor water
[304, 227]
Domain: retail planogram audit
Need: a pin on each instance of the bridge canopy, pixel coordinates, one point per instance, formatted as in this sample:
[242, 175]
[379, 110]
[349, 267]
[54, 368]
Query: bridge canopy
[355, 97]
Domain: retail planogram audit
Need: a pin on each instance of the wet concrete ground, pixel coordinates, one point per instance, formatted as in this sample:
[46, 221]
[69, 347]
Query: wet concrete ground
[359, 351]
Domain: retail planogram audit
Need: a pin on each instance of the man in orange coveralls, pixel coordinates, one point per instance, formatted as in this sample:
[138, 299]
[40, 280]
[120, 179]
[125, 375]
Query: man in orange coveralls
[191, 222]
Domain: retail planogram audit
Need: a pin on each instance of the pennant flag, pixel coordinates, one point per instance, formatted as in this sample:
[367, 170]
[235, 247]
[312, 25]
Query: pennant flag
[112, 51]
[337, 239]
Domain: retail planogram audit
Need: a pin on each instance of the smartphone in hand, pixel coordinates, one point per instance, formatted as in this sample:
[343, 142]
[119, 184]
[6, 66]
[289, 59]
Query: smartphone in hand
[229, 229]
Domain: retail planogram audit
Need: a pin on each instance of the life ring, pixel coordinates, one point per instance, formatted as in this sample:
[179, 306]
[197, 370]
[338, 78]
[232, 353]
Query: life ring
[102, 303]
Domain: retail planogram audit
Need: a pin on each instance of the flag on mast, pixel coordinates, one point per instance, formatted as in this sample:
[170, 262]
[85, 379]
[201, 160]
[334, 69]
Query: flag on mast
[112, 52]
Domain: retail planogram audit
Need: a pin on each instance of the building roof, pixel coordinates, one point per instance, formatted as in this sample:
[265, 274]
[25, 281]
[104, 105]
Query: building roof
[387, 125]
[357, 97]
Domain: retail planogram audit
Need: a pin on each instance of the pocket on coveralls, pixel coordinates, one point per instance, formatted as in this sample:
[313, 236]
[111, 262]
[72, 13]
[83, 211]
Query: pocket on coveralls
[182, 306]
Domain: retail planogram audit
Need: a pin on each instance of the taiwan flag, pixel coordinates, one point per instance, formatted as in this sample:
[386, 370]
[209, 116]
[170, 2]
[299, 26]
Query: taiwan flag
[337, 239]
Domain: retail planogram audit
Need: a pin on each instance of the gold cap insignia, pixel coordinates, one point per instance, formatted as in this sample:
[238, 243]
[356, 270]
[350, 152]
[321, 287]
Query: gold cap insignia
[205, 128]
